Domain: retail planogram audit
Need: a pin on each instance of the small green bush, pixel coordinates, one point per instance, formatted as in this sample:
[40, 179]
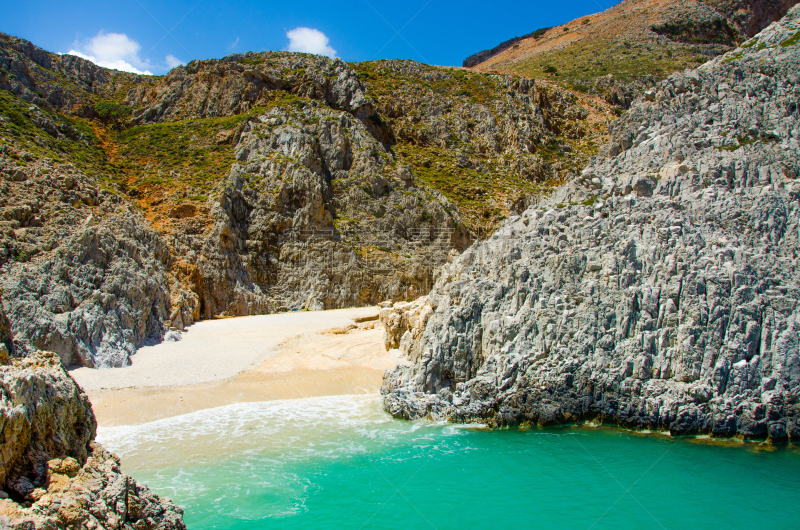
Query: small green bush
[111, 111]
[539, 32]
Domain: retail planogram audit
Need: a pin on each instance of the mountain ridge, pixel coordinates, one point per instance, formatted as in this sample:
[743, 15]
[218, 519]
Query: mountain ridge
[622, 51]
[255, 183]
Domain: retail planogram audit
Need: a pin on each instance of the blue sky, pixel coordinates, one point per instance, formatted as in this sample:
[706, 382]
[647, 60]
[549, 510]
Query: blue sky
[152, 36]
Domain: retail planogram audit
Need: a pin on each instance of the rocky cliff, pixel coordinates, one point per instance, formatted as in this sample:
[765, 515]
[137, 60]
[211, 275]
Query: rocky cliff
[133, 205]
[52, 475]
[83, 274]
[658, 290]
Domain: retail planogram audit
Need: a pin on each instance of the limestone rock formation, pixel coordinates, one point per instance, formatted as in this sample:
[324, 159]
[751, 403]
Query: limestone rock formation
[95, 495]
[84, 276]
[404, 323]
[659, 290]
[45, 415]
[317, 215]
[54, 474]
[240, 82]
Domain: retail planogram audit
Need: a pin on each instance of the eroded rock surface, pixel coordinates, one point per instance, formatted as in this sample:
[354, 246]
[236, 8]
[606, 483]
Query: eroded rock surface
[44, 415]
[237, 83]
[96, 495]
[404, 323]
[84, 274]
[52, 474]
[317, 215]
[659, 290]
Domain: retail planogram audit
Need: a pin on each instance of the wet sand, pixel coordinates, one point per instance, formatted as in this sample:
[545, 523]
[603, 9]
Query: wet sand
[245, 359]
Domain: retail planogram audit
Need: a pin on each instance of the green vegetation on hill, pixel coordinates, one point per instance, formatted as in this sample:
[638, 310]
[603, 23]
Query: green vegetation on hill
[112, 111]
[488, 142]
[481, 195]
[384, 82]
[578, 64]
[451, 127]
[187, 157]
[190, 153]
[70, 139]
[618, 53]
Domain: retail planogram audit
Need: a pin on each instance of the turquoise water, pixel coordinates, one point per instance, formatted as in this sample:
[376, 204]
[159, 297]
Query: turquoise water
[340, 462]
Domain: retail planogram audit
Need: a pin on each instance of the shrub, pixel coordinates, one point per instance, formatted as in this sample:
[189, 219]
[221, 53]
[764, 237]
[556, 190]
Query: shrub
[539, 32]
[111, 111]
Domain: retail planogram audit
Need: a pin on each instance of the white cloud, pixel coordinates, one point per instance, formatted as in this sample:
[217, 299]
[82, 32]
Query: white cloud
[234, 44]
[120, 52]
[116, 65]
[173, 61]
[309, 40]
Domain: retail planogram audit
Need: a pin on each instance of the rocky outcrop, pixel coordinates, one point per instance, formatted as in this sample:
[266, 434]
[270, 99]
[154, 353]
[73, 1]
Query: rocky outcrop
[751, 16]
[621, 92]
[54, 474]
[659, 290]
[239, 83]
[52, 81]
[44, 415]
[404, 323]
[97, 297]
[95, 495]
[83, 274]
[317, 215]
[701, 25]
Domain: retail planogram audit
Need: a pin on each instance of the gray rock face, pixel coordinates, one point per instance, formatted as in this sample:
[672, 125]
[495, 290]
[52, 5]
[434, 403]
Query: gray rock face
[83, 274]
[659, 290]
[97, 297]
[238, 83]
[49, 462]
[44, 415]
[317, 215]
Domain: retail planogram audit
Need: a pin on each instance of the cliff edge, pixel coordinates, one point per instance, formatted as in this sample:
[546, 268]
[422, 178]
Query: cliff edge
[52, 473]
[657, 291]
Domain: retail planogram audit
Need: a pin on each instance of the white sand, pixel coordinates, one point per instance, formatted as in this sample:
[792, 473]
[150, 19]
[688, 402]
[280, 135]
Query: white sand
[215, 350]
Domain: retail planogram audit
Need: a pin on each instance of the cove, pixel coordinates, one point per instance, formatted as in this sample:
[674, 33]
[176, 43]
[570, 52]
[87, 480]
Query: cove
[341, 462]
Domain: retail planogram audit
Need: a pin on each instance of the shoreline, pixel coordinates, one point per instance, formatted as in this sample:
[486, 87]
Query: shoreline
[289, 358]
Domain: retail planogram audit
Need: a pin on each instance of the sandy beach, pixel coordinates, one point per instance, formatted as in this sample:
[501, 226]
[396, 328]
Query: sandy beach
[233, 360]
